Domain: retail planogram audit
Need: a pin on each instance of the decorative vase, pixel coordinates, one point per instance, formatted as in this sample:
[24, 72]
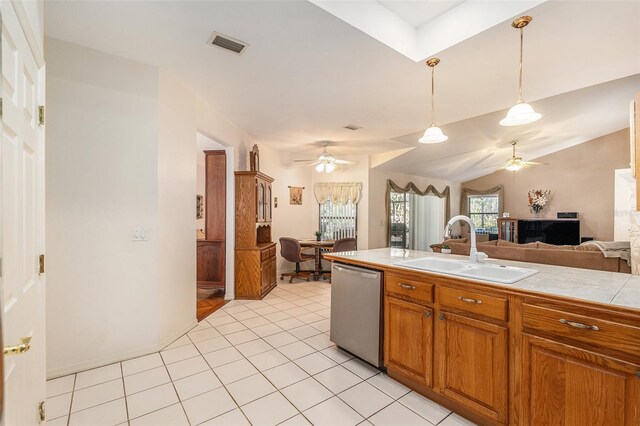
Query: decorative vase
[318, 237]
[535, 210]
[445, 251]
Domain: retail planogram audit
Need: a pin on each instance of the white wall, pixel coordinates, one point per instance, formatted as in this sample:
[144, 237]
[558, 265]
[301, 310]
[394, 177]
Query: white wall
[176, 210]
[101, 181]
[624, 203]
[121, 153]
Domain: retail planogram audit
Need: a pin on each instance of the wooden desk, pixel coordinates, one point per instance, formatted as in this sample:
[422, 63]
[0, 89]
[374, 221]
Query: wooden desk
[317, 246]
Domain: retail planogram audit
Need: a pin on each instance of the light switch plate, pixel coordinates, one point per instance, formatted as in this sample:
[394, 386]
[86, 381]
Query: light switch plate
[139, 234]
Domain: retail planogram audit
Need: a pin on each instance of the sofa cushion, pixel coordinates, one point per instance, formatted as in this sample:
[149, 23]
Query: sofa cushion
[505, 243]
[554, 247]
[588, 247]
[456, 240]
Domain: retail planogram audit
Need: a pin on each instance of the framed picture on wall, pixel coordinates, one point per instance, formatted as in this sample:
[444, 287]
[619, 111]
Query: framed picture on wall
[295, 195]
[199, 206]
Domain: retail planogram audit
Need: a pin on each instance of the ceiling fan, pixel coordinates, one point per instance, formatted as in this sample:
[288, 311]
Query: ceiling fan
[516, 163]
[325, 161]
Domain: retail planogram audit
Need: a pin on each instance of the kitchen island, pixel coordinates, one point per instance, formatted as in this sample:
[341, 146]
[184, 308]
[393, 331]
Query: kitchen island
[559, 347]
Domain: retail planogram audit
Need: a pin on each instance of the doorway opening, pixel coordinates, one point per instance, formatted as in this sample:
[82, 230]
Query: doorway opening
[211, 226]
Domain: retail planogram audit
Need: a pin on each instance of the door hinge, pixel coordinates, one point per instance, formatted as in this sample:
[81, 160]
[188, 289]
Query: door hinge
[41, 412]
[41, 115]
[41, 268]
[0, 107]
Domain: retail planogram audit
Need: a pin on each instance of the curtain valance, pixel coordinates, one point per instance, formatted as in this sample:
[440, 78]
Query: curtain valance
[338, 192]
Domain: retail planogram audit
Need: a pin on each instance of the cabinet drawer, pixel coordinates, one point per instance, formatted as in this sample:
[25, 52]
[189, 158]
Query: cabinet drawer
[474, 302]
[264, 254]
[417, 290]
[272, 251]
[581, 328]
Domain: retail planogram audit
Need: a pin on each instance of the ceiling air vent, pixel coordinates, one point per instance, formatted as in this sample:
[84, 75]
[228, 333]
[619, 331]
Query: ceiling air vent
[227, 43]
[352, 127]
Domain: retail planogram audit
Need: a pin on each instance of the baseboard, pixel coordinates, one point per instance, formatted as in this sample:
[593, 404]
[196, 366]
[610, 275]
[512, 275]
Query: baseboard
[122, 356]
[175, 336]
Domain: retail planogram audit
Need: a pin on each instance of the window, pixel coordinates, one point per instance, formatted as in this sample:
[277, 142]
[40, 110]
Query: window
[483, 211]
[338, 220]
[400, 210]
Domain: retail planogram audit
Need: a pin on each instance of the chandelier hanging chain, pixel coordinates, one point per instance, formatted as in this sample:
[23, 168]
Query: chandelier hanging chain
[433, 91]
[520, 99]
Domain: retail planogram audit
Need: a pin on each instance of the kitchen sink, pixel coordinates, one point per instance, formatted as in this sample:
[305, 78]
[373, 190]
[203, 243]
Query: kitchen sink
[463, 268]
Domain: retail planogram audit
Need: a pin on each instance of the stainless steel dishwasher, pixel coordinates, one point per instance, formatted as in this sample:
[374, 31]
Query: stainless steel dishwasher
[356, 311]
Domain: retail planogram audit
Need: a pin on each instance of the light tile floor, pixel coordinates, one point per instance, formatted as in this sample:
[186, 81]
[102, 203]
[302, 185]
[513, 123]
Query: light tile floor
[262, 362]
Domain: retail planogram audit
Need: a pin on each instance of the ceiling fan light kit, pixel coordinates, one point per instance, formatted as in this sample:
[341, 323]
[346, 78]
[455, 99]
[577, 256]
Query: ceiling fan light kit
[521, 113]
[325, 163]
[513, 167]
[325, 166]
[433, 134]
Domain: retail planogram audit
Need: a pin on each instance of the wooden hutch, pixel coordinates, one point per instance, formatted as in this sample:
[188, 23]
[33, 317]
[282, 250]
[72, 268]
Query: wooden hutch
[255, 252]
[211, 250]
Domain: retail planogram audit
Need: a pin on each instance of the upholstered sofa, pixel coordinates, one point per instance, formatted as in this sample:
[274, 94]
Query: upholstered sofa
[586, 257]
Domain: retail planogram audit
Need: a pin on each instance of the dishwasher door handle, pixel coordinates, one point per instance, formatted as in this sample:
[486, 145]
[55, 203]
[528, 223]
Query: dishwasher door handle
[371, 275]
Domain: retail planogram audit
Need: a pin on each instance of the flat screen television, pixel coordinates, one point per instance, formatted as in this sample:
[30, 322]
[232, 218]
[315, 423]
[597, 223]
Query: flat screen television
[552, 231]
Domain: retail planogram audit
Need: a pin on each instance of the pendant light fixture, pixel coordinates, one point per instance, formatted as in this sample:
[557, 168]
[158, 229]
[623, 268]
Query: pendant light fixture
[521, 113]
[433, 134]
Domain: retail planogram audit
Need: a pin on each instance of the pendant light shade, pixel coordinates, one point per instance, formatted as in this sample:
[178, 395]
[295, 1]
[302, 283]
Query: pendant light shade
[521, 113]
[433, 134]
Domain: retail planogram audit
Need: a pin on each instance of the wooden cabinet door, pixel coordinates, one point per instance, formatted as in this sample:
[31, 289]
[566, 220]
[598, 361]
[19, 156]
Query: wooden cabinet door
[261, 185]
[564, 385]
[265, 274]
[409, 339]
[267, 200]
[273, 274]
[472, 364]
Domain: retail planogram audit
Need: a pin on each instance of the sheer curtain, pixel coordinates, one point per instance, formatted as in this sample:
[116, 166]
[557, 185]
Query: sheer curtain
[427, 221]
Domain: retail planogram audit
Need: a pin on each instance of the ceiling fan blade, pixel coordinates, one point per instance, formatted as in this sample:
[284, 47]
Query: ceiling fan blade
[499, 166]
[302, 161]
[534, 163]
[345, 162]
[314, 163]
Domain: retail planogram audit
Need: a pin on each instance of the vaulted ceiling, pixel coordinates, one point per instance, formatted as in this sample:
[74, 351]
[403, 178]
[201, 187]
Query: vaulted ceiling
[312, 68]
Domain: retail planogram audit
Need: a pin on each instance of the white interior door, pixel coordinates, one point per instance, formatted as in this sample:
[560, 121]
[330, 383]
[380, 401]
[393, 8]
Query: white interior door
[22, 220]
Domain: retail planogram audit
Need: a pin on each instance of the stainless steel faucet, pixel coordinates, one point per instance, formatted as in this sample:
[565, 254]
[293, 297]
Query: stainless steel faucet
[474, 254]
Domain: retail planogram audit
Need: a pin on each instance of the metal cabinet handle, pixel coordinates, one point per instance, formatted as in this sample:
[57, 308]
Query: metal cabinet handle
[580, 325]
[427, 314]
[407, 286]
[441, 317]
[18, 349]
[470, 300]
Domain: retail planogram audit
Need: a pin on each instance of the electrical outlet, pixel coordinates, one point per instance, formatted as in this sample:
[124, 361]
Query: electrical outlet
[139, 234]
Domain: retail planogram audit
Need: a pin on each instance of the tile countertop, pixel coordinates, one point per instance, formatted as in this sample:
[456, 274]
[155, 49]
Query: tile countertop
[609, 288]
